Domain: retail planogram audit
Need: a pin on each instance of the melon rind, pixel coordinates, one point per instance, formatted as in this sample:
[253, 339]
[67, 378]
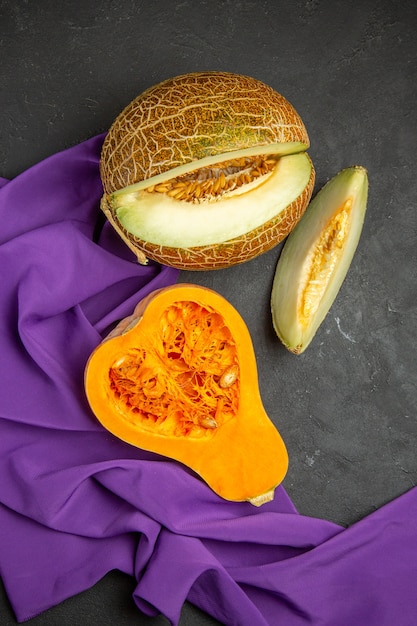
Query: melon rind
[194, 117]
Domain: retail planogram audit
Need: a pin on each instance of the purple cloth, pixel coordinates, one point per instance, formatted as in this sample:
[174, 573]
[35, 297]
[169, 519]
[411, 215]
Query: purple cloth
[75, 502]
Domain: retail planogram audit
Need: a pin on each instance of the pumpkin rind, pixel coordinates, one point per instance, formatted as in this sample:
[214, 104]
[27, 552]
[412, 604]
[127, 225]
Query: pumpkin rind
[244, 458]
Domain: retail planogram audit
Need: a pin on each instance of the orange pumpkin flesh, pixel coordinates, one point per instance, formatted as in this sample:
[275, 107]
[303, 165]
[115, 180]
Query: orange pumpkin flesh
[179, 378]
[206, 170]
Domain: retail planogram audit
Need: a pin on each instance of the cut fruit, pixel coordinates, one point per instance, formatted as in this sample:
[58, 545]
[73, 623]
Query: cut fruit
[316, 258]
[148, 216]
[206, 170]
[179, 378]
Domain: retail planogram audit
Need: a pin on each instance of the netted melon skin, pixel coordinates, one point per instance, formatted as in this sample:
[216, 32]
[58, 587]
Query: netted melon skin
[232, 252]
[190, 117]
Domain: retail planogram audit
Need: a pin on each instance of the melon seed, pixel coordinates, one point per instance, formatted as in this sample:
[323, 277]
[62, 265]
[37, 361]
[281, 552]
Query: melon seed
[212, 182]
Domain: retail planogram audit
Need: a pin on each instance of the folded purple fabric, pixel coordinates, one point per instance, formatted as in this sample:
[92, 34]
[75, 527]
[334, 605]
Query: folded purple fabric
[75, 502]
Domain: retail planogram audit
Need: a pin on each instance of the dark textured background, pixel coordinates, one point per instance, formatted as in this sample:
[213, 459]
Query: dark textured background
[346, 407]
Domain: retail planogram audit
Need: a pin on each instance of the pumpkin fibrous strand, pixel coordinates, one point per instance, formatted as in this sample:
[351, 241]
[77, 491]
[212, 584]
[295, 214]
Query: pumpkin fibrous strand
[179, 378]
[186, 382]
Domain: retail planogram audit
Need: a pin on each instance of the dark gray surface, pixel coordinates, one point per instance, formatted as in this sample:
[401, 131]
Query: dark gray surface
[347, 407]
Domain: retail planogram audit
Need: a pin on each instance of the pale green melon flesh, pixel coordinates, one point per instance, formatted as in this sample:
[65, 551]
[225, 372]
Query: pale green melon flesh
[346, 195]
[161, 220]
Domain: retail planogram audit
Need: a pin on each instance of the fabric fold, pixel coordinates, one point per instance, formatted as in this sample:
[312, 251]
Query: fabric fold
[76, 503]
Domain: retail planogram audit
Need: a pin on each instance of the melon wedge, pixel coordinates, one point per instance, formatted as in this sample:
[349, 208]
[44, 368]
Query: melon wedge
[165, 221]
[316, 258]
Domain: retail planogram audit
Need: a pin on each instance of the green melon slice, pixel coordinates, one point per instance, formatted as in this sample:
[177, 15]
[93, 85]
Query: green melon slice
[316, 258]
[166, 221]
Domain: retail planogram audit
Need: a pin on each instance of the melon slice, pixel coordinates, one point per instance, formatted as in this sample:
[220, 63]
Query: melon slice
[316, 258]
[163, 220]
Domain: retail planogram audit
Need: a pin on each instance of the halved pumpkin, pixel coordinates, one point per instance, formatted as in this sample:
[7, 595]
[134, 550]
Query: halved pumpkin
[179, 378]
[206, 170]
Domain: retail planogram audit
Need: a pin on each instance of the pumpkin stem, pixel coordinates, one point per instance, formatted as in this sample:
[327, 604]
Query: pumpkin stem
[263, 498]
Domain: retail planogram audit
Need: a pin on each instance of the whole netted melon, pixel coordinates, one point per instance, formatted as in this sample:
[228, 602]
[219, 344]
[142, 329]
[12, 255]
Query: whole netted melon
[206, 170]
